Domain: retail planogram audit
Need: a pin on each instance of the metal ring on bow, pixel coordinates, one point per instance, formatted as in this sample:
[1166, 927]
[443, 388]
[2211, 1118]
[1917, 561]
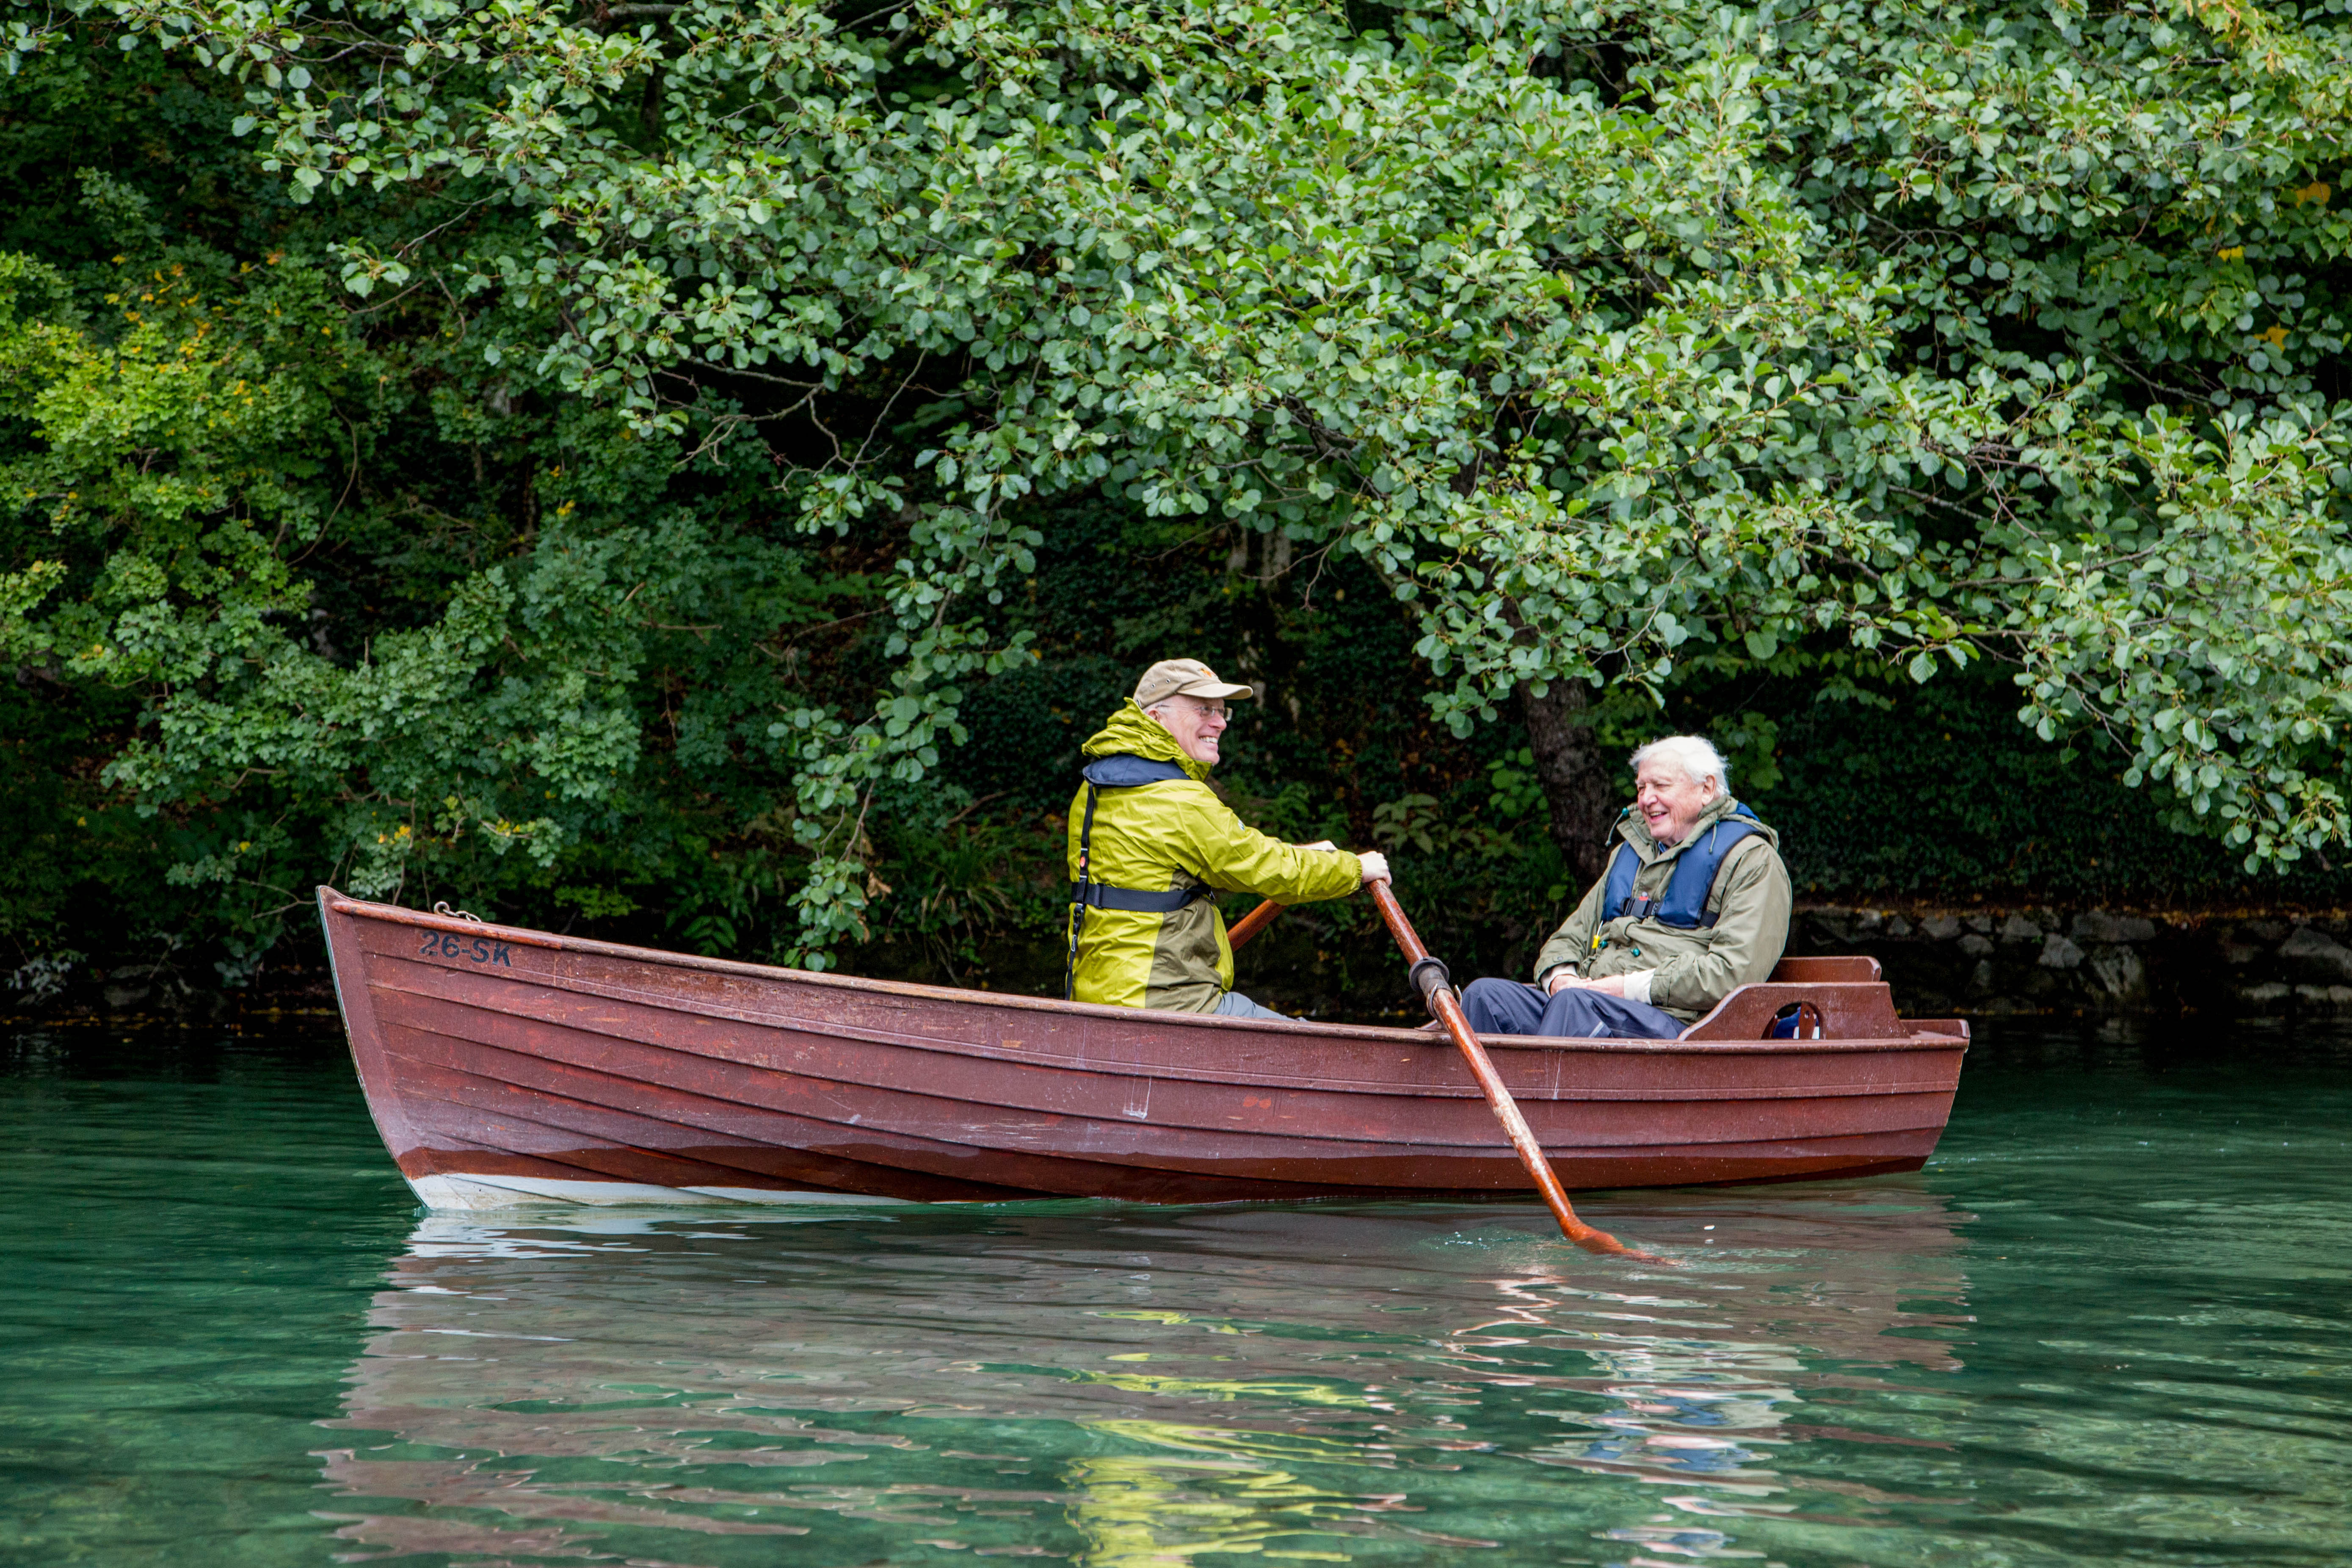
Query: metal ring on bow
[441, 907]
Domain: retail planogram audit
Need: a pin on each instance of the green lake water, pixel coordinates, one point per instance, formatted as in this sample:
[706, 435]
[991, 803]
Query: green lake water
[2109, 1323]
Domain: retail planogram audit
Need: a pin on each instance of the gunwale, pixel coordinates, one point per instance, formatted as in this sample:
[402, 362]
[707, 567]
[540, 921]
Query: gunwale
[680, 1067]
[523, 936]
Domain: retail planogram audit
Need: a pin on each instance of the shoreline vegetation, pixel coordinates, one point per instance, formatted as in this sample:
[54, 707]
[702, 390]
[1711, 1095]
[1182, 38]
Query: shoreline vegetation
[692, 475]
[1890, 813]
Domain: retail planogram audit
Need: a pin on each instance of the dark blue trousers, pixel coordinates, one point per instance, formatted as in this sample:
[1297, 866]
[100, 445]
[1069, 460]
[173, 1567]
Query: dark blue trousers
[1510, 1007]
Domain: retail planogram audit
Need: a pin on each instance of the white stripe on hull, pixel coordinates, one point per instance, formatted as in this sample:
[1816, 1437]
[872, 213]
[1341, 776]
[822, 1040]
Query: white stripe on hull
[471, 1192]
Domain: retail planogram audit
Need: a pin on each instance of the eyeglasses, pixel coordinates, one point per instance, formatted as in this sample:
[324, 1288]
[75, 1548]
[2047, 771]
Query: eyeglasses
[1204, 705]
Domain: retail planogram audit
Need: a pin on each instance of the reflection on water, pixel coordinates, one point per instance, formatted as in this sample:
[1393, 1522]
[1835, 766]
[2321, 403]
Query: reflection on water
[2110, 1324]
[1125, 1386]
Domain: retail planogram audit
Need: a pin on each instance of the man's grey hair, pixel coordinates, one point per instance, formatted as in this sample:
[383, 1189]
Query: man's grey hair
[1697, 759]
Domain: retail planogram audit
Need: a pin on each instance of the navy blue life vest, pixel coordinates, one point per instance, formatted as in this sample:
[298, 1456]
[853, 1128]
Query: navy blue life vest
[1124, 769]
[1685, 905]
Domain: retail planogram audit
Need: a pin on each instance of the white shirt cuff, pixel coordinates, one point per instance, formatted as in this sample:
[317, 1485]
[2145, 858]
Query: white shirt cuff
[1637, 986]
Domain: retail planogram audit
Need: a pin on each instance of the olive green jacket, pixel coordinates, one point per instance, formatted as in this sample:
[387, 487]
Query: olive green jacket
[1692, 970]
[1156, 837]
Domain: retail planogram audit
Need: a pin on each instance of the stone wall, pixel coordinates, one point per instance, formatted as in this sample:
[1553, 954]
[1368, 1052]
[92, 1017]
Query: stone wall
[2095, 961]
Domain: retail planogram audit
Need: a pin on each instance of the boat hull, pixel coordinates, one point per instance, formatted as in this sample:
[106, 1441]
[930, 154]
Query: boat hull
[505, 1067]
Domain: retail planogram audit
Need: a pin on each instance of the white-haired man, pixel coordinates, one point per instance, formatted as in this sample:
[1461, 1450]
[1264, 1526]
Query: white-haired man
[1694, 904]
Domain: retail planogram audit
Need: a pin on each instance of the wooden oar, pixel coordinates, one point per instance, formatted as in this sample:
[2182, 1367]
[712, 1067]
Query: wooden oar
[1437, 988]
[1250, 924]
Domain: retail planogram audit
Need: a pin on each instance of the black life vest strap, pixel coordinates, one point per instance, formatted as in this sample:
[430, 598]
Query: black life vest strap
[1134, 901]
[1078, 894]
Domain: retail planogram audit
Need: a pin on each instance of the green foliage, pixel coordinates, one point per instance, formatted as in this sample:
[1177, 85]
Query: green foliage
[1514, 791]
[1934, 801]
[324, 595]
[703, 465]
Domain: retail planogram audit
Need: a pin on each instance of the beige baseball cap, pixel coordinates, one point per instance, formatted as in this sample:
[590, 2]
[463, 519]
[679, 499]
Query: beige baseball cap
[1189, 677]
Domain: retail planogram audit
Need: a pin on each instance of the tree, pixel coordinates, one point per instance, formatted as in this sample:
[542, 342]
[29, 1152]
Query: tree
[1624, 342]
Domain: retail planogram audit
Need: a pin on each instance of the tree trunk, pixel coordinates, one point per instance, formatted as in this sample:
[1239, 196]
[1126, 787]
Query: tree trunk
[1578, 784]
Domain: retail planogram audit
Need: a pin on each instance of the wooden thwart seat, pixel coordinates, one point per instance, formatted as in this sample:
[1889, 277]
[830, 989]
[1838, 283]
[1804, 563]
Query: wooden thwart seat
[1855, 1004]
[1798, 970]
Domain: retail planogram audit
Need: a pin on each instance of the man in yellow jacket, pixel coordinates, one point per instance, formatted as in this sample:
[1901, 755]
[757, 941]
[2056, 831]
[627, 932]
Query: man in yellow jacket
[1150, 842]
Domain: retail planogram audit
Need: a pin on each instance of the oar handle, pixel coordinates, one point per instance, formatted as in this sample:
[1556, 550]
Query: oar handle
[1250, 924]
[1436, 988]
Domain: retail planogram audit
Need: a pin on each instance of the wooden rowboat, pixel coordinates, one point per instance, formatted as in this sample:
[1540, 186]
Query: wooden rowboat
[506, 1066]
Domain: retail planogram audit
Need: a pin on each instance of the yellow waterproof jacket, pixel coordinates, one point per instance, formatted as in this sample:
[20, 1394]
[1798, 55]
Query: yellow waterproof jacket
[1168, 835]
